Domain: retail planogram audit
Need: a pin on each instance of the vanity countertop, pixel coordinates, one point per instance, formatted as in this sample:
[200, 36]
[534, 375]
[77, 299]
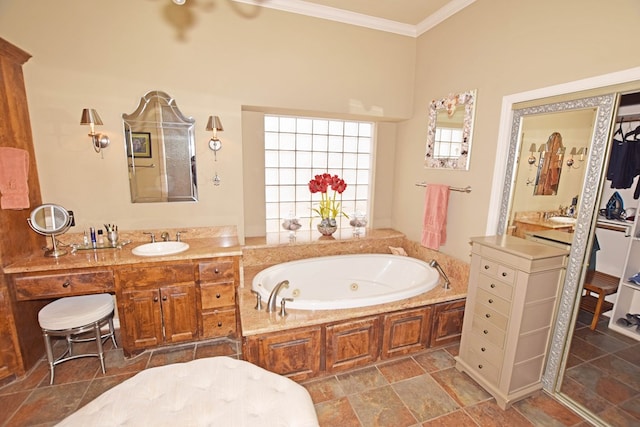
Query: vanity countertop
[199, 248]
[544, 223]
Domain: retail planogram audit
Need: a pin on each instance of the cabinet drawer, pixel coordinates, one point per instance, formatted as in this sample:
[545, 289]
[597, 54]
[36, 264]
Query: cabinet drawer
[492, 316]
[490, 352]
[219, 323]
[156, 275]
[481, 365]
[495, 287]
[217, 295]
[497, 270]
[490, 332]
[495, 302]
[221, 270]
[61, 285]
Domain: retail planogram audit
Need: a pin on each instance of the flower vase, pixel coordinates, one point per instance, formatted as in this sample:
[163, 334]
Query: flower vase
[327, 226]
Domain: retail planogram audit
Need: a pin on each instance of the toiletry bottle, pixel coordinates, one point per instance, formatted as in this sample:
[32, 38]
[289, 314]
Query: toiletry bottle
[92, 232]
[85, 240]
[100, 239]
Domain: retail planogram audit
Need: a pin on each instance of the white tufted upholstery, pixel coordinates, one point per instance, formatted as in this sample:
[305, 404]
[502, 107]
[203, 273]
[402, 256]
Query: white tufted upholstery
[216, 391]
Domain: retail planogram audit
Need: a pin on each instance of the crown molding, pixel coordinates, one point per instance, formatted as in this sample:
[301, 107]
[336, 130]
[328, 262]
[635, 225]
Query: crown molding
[347, 17]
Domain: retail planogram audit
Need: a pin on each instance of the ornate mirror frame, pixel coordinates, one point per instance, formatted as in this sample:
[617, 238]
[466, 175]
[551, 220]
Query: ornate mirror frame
[605, 108]
[449, 105]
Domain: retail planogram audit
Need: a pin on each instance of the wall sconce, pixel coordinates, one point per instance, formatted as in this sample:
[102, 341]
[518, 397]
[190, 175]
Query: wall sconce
[90, 117]
[215, 125]
[582, 151]
[532, 157]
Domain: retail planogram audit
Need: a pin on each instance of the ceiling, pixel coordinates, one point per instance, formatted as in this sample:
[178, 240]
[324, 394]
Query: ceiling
[406, 17]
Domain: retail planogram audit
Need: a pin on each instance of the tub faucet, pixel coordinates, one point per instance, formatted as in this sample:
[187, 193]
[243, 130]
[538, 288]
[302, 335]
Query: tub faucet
[271, 303]
[433, 263]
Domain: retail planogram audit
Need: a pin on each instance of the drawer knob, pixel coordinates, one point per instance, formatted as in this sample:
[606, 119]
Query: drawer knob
[487, 315]
[479, 366]
[492, 285]
[504, 274]
[164, 298]
[66, 284]
[485, 332]
[490, 300]
[219, 324]
[155, 299]
[486, 267]
[217, 271]
[483, 349]
[217, 295]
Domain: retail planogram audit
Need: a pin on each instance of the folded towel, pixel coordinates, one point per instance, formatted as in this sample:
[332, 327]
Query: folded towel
[14, 175]
[436, 201]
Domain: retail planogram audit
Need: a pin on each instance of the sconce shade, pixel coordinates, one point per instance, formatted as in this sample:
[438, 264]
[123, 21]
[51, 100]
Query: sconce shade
[90, 116]
[573, 151]
[214, 123]
[533, 148]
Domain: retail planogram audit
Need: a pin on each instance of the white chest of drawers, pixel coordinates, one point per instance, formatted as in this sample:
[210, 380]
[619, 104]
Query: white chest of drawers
[511, 305]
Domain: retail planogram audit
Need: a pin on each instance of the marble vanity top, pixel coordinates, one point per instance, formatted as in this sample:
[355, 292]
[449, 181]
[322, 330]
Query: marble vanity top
[201, 245]
[547, 223]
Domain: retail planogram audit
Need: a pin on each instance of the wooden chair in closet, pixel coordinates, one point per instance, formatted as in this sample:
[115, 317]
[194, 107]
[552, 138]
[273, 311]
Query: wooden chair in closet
[596, 287]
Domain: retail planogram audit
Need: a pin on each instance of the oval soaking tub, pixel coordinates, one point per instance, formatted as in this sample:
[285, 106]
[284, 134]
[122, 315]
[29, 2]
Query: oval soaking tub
[346, 281]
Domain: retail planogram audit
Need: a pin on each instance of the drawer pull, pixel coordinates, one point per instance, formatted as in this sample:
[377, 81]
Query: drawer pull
[155, 299]
[479, 366]
[487, 315]
[485, 332]
[66, 284]
[490, 300]
[483, 349]
[217, 271]
[164, 298]
[504, 274]
[218, 295]
[493, 285]
[486, 267]
[219, 324]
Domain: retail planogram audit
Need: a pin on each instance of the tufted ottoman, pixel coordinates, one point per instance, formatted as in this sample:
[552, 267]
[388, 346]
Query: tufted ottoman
[216, 391]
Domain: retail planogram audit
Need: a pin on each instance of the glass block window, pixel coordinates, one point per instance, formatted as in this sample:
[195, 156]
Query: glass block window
[448, 142]
[297, 149]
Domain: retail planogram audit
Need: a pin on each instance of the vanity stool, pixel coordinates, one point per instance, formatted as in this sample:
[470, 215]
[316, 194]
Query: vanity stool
[70, 316]
[597, 286]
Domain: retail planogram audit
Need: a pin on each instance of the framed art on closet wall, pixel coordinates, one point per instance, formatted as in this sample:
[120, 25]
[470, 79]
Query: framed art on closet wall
[140, 145]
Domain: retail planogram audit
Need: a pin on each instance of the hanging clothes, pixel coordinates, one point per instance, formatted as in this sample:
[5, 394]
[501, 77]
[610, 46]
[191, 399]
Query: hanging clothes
[624, 161]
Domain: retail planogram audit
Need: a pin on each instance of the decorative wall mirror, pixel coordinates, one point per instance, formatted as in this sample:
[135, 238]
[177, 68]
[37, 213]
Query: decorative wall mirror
[160, 146]
[51, 220]
[450, 131]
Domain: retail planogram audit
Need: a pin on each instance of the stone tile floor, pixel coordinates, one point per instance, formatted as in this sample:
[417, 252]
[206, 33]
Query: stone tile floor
[420, 390]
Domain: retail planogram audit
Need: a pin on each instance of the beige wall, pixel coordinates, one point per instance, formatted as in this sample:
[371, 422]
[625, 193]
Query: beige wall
[500, 47]
[106, 54]
[213, 57]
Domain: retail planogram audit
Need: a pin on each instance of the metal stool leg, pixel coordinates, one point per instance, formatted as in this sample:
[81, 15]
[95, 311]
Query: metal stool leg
[113, 333]
[99, 345]
[47, 346]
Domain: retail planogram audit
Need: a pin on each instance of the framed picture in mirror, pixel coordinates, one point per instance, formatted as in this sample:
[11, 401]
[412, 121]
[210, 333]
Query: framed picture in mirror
[140, 146]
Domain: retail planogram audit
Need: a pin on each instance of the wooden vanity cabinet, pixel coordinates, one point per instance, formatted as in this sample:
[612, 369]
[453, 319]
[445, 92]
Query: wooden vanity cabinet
[217, 282]
[511, 307]
[157, 304]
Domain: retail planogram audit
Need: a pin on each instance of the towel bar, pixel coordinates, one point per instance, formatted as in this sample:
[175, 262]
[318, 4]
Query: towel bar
[466, 189]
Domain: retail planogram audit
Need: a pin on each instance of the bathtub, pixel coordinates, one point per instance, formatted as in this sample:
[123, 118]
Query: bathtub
[346, 281]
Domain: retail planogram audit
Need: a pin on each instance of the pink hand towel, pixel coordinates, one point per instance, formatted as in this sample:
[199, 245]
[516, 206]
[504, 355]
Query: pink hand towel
[14, 175]
[436, 201]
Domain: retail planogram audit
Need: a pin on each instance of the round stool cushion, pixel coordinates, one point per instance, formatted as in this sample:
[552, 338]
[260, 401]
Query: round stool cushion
[73, 312]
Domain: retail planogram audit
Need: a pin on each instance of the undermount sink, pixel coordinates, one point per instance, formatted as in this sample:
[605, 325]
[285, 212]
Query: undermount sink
[563, 219]
[160, 248]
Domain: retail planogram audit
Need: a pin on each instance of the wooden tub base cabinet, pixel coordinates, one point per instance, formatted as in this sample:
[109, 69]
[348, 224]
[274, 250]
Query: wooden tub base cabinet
[308, 352]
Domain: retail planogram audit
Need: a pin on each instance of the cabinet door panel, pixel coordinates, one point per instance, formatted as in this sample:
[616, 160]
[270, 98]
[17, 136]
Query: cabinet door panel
[142, 318]
[406, 332]
[293, 354]
[352, 344]
[447, 323]
[179, 312]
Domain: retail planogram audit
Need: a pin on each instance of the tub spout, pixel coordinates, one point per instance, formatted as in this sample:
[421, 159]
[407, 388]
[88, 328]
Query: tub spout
[433, 263]
[271, 303]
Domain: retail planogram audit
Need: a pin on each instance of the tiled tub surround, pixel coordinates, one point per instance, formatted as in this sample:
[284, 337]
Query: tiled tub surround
[312, 336]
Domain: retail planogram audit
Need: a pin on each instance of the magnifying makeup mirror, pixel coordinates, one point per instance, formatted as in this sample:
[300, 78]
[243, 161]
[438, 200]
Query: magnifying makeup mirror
[50, 220]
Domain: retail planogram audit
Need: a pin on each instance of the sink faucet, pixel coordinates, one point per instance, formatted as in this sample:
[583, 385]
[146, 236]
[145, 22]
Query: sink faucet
[271, 303]
[165, 236]
[153, 236]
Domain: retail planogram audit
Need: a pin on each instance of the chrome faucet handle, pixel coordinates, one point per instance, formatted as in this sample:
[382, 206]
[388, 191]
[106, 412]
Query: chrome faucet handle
[165, 236]
[153, 235]
[258, 300]
[283, 310]
[178, 235]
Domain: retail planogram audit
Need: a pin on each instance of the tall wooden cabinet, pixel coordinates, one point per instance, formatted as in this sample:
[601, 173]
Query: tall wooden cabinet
[18, 352]
[511, 306]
